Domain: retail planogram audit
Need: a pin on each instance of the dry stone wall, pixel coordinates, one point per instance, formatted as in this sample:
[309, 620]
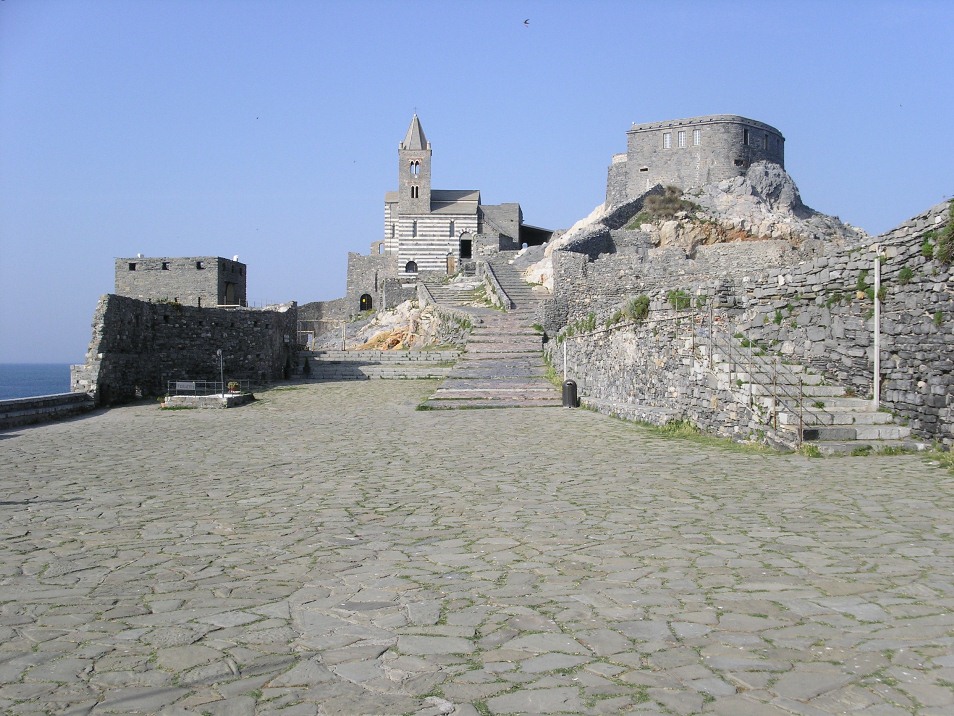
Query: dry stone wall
[812, 304]
[138, 346]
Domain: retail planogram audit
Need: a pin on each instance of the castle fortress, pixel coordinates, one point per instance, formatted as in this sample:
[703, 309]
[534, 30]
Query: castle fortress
[690, 153]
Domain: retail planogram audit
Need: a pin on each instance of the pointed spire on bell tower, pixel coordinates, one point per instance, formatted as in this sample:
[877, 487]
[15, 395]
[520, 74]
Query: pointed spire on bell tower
[414, 171]
[415, 139]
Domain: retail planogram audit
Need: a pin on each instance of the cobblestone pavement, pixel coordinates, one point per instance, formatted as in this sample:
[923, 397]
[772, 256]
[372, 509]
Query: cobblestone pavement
[330, 550]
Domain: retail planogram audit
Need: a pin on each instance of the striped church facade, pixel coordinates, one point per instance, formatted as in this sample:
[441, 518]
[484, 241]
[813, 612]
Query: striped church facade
[429, 230]
[427, 240]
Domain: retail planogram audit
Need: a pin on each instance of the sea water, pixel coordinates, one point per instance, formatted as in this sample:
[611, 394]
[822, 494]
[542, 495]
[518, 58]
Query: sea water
[25, 380]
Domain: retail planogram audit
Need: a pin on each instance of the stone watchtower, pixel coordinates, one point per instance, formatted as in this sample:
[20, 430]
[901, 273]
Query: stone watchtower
[414, 171]
[689, 153]
[190, 280]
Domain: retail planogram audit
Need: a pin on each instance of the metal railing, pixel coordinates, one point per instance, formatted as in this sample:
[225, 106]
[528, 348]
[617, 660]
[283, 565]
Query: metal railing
[764, 372]
[207, 387]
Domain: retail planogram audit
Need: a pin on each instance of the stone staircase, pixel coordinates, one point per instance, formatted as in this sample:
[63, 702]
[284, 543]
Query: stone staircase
[333, 365]
[801, 406]
[503, 365]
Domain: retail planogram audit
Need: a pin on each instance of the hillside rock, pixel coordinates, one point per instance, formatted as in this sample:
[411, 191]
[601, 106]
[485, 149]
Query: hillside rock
[765, 204]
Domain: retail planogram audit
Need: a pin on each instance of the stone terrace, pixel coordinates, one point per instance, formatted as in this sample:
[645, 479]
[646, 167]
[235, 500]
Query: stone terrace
[331, 550]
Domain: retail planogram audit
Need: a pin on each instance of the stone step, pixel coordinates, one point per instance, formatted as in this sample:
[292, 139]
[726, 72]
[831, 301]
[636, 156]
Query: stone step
[367, 372]
[377, 356]
[810, 392]
[764, 377]
[861, 432]
[839, 418]
[859, 447]
[476, 404]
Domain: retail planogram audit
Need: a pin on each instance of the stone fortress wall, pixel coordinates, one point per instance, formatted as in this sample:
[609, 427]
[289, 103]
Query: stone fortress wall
[690, 153]
[809, 304]
[137, 346]
[192, 280]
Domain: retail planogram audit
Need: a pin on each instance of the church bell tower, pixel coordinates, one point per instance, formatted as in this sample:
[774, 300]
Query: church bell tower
[414, 171]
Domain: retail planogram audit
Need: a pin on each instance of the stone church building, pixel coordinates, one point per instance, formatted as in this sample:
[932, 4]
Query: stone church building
[430, 231]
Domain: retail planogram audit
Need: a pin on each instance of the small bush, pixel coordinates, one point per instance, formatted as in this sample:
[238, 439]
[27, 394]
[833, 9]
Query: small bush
[641, 218]
[637, 308]
[836, 297]
[778, 317]
[665, 205]
[614, 319]
[905, 275]
[862, 283]
[927, 246]
[938, 319]
[679, 299]
[944, 251]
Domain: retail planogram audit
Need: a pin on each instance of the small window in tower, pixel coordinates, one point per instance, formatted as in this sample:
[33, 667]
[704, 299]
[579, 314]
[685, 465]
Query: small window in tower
[739, 162]
[415, 167]
[414, 228]
[165, 265]
[667, 140]
[696, 137]
[644, 169]
[765, 142]
[450, 230]
[132, 266]
[200, 265]
[681, 138]
[745, 137]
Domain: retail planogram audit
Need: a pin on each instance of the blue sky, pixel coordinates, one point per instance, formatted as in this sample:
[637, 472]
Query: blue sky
[270, 129]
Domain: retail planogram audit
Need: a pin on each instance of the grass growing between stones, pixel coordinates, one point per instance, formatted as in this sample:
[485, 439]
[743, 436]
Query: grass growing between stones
[945, 460]
[685, 430]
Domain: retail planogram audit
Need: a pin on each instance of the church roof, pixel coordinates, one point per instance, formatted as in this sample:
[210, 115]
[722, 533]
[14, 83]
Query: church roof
[455, 195]
[414, 139]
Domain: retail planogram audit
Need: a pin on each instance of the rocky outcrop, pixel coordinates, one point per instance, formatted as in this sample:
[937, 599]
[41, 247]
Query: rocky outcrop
[763, 205]
[406, 326]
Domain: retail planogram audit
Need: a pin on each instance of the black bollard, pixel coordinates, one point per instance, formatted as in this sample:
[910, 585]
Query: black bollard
[569, 394]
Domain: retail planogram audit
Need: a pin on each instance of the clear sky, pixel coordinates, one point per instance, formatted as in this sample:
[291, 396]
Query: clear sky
[269, 128]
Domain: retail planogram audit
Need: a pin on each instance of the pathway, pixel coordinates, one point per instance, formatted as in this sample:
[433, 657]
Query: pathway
[331, 550]
[503, 365]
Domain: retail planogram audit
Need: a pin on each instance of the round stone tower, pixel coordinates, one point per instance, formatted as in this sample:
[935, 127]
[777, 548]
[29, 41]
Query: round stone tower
[690, 152]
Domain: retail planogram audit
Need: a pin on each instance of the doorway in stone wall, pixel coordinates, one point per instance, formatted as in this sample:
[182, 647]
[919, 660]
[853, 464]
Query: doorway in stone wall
[466, 248]
[229, 293]
[365, 302]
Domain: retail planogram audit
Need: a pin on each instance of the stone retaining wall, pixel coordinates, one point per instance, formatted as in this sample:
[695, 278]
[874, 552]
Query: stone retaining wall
[137, 346]
[812, 305]
[25, 411]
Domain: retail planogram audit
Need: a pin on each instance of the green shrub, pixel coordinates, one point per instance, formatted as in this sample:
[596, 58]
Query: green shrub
[641, 218]
[678, 299]
[614, 319]
[905, 275]
[938, 319]
[927, 246]
[945, 240]
[862, 283]
[778, 317]
[666, 205]
[637, 308]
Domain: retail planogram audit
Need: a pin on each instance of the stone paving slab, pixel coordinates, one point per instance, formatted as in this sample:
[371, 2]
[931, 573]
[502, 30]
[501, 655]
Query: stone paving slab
[329, 549]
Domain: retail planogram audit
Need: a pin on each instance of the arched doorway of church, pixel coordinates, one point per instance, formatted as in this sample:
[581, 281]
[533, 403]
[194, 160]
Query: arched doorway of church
[410, 267]
[466, 247]
[365, 302]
